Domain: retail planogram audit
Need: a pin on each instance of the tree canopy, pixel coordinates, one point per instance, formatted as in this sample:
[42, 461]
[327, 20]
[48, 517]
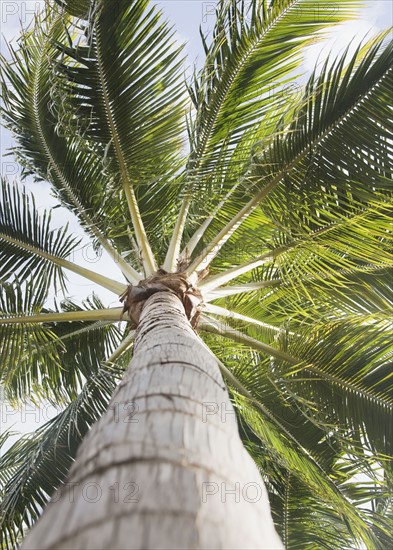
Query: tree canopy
[276, 204]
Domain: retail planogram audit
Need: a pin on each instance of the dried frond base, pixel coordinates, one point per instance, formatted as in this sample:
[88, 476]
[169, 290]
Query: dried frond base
[135, 297]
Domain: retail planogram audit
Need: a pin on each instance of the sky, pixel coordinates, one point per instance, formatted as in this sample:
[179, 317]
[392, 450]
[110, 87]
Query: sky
[187, 15]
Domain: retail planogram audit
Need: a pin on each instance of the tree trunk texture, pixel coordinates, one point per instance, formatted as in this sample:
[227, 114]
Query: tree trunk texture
[164, 468]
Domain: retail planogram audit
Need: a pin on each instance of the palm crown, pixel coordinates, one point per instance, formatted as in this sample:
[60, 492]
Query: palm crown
[278, 210]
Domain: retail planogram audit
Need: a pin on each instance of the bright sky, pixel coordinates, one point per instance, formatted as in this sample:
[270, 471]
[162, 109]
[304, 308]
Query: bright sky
[187, 15]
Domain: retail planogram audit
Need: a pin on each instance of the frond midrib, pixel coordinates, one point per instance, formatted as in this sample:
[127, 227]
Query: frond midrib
[209, 127]
[140, 233]
[101, 280]
[236, 335]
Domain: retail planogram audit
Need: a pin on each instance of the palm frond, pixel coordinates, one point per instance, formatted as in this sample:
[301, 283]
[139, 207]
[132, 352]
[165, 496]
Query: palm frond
[339, 383]
[348, 376]
[334, 296]
[278, 436]
[133, 115]
[48, 356]
[286, 442]
[75, 171]
[251, 63]
[247, 57]
[334, 103]
[217, 327]
[31, 248]
[301, 464]
[299, 514]
[76, 8]
[346, 245]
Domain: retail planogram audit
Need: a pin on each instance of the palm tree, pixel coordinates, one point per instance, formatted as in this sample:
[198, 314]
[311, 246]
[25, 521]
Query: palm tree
[259, 254]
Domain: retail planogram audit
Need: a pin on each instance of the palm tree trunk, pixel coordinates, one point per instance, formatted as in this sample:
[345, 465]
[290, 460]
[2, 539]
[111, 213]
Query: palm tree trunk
[164, 468]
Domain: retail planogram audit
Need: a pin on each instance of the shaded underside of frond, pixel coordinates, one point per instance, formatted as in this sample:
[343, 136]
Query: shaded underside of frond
[35, 111]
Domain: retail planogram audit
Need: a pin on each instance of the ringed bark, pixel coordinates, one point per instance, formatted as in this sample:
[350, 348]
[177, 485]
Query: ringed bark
[164, 468]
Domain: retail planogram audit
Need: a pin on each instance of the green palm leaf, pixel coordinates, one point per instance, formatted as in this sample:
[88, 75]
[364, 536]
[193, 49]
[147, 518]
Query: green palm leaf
[77, 8]
[254, 49]
[285, 436]
[321, 366]
[136, 117]
[332, 296]
[30, 248]
[50, 359]
[242, 89]
[335, 102]
[74, 169]
[296, 445]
